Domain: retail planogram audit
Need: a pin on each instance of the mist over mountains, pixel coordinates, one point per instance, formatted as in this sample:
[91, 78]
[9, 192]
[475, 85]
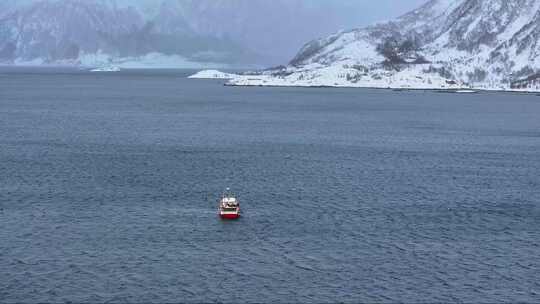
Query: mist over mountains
[95, 32]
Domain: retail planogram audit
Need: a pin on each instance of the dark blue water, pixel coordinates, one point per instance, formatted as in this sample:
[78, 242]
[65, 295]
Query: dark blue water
[109, 186]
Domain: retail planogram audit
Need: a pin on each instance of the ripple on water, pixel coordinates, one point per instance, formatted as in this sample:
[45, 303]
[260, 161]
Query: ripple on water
[378, 197]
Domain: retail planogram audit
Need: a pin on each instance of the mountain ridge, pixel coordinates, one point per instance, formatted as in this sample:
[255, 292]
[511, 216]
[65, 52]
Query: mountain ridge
[487, 44]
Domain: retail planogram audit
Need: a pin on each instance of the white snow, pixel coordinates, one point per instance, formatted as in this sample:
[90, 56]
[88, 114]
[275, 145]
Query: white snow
[338, 76]
[212, 74]
[444, 7]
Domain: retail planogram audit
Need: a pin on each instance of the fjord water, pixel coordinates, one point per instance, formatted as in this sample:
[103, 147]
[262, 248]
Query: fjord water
[109, 186]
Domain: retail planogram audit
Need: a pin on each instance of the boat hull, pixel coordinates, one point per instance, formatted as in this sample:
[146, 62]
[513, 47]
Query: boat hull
[230, 216]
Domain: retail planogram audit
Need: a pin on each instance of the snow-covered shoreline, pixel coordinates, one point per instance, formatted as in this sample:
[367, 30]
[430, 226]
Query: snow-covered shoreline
[265, 80]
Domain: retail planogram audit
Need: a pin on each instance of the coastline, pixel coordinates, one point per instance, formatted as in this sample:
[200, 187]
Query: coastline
[437, 90]
[235, 80]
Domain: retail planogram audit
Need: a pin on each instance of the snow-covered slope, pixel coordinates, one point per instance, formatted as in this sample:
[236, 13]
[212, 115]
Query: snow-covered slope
[445, 43]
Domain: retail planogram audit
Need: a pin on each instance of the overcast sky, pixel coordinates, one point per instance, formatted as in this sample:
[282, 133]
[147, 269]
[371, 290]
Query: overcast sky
[364, 12]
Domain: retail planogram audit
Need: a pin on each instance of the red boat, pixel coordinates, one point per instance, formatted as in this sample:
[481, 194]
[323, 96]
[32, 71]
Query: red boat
[229, 207]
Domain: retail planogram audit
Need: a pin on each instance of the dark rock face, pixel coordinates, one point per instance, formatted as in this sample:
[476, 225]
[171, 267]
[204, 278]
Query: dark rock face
[530, 81]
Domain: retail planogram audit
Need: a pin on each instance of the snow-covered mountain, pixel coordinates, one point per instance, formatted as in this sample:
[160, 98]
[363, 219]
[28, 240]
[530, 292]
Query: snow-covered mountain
[442, 44]
[101, 31]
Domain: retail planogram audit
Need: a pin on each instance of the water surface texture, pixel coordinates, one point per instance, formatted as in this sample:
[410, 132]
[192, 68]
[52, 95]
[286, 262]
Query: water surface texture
[109, 186]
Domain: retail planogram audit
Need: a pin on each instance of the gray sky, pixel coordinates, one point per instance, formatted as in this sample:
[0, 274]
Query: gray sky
[345, 15]
[364, 12]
